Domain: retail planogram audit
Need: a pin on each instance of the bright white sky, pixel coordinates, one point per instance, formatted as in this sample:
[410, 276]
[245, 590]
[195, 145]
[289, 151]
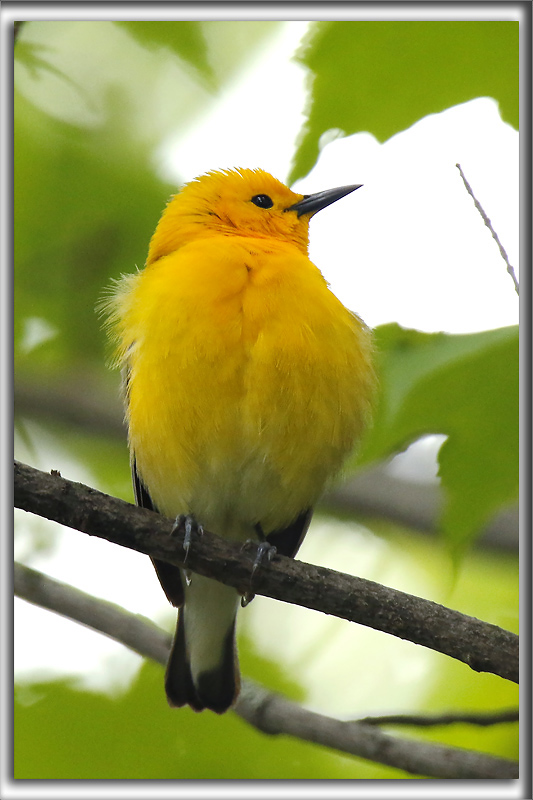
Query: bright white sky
[407, 247]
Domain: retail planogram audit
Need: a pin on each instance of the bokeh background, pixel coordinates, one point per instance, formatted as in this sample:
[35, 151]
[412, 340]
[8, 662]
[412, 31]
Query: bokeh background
[111, 117]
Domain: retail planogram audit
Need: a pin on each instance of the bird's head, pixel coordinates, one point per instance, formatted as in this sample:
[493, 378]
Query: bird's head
[239, 202]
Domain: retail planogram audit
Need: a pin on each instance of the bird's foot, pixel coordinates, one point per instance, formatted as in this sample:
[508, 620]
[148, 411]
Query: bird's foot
[191, 527]
[265, 551]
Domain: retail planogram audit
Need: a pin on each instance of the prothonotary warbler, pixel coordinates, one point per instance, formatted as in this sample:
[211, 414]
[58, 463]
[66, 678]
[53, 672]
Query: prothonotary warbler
[247, 383]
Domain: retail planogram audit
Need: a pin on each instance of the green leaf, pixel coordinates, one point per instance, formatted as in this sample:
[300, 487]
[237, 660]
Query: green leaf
[463, 386]
[382, 77]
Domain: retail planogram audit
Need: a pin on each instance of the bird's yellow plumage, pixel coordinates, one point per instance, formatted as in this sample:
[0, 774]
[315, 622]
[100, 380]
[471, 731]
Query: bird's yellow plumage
[248, 383]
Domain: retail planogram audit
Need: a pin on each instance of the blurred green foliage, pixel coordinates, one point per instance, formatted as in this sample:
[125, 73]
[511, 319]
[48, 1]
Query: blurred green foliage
[186, 40]
[86, 204]
[92, 101]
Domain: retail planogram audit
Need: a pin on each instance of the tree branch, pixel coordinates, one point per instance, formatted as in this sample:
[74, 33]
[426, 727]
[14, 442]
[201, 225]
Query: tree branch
[264, 710]
[484, 647]
[274, 714]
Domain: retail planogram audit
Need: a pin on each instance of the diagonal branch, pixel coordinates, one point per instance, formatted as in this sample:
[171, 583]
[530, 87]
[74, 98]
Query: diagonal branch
[484, 647]
[264, 710]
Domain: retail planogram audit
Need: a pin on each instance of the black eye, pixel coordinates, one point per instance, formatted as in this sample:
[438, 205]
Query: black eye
[262, 200]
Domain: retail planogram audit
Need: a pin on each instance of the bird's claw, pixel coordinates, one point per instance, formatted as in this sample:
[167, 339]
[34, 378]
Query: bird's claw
[191, 527]
[265, 550]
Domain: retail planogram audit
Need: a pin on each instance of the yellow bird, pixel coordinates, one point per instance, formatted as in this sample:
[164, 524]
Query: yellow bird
[247, 383]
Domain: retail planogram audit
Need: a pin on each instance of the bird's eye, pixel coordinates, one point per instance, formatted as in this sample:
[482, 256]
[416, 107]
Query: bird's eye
[262, 200]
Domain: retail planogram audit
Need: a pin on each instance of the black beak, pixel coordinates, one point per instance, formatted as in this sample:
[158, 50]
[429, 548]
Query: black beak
[312, 203]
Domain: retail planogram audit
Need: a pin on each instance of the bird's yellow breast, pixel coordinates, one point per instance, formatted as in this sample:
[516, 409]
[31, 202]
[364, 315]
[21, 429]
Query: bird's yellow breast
[249, 382]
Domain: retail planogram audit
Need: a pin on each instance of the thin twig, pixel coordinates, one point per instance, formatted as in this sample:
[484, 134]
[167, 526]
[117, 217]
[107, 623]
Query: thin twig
[265, 710]
[484, 647]
[488, 223]
[480, 718]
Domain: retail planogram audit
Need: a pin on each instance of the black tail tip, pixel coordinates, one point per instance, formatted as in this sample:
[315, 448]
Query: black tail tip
[209, 693]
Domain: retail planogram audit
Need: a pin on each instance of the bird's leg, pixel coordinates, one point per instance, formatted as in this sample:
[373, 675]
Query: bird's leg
[265, 550]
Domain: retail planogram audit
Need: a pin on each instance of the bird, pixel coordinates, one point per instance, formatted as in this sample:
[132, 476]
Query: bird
[247, 383]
